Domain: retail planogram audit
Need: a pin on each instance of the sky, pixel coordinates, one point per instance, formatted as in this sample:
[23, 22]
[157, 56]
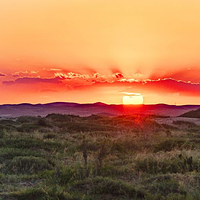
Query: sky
[98, 50]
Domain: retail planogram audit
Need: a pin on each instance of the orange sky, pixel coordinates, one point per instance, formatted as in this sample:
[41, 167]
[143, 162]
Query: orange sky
[96, 50]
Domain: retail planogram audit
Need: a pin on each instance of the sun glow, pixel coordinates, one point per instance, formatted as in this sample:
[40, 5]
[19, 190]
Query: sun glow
[132, 99]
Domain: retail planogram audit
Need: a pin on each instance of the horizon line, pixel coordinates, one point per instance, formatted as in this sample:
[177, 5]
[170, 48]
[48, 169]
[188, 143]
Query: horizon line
[98, 102]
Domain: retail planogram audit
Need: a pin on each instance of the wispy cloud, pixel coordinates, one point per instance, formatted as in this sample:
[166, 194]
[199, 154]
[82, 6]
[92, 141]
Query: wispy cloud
[24, 73]
[28, 80]
[159, 86]
[2, 74]
[185, 74]
[82, 81]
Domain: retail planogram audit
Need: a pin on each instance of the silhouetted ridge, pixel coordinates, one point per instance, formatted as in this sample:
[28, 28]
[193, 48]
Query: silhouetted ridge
[87, 109]
[61, 104]
[192, 114]
[100, 104]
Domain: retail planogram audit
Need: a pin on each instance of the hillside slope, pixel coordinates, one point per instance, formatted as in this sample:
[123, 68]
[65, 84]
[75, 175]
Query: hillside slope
[192, 114]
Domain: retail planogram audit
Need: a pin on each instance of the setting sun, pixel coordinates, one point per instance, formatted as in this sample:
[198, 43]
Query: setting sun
[88, 51]
[132, 99]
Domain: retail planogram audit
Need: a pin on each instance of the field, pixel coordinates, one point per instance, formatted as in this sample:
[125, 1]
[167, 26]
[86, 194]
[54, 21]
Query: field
[67, 157]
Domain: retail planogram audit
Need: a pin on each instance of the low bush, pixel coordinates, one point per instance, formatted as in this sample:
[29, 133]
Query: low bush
[41, 122]
[103, 186]
[164, 185]
[27, 119]
[61, 118]
[61, 176]
[171, 144]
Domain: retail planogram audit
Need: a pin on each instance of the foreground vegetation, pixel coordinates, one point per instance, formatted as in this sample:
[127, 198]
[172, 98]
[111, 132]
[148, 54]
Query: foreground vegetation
[66, 157]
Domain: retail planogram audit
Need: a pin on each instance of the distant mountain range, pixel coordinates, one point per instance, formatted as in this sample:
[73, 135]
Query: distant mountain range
[26, 109]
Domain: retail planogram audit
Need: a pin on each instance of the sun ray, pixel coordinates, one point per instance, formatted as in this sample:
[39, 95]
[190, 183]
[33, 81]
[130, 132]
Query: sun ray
[132, 99]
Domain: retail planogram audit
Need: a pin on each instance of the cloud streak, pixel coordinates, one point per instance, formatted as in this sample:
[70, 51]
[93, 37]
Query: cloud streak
[160, 86]
[1, 74]
[70, 85]
[29, 80]
[191, 74]
[80, 81]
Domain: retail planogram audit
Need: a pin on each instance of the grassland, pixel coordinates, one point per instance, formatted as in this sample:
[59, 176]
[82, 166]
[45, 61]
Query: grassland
[67, 157]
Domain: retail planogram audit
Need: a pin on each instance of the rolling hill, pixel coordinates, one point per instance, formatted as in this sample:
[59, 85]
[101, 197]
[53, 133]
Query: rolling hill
[192, 114]
[16, 110]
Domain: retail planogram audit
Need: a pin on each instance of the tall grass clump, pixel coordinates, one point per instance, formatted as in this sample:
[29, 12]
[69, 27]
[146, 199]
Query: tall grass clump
[108, 186]
[26, 165]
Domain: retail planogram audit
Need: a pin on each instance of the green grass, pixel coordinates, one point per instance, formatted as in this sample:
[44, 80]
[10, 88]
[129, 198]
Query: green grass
[26, 165]
[66, 157]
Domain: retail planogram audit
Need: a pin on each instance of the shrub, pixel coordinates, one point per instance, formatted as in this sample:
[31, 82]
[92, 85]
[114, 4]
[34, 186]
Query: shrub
[85, 127]
[27, 119]
[7, 122]
[164, 185]
[60, 117]
[27, 128]
[60, 176]
[170, 144]
[103, 186]
[41, 122]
